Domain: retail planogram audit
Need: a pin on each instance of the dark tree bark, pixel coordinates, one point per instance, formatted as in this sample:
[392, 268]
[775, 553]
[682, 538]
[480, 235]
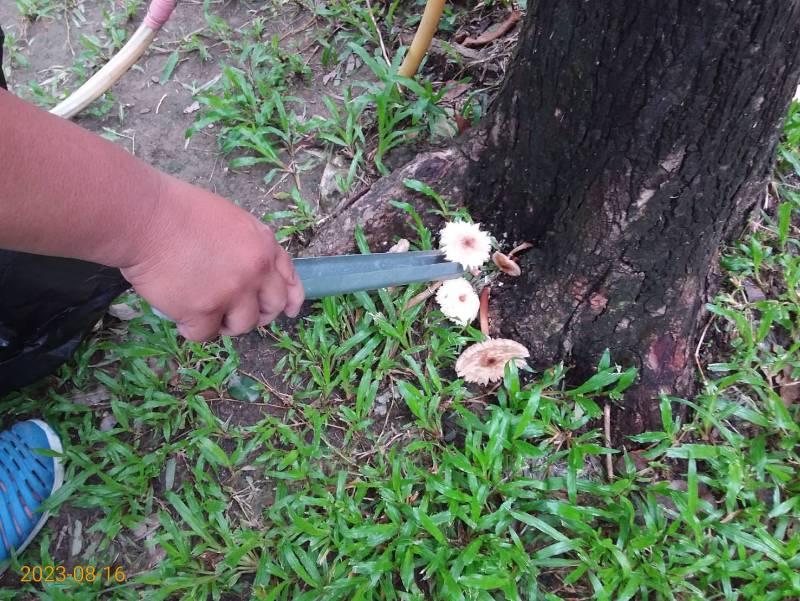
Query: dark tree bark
[630, 140]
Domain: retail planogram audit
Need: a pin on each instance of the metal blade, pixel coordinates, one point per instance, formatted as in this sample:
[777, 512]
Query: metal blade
[335, 283]
[311, 267]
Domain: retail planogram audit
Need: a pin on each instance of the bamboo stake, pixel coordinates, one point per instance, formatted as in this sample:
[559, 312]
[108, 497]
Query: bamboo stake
[422, 39]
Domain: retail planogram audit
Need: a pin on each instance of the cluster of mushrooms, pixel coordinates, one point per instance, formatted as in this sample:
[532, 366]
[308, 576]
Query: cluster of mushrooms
[466, 243]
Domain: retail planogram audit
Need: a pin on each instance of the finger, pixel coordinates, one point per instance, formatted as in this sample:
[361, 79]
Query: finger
[242, 317]
[201, 328]
[295, 294]
[267, 318]
[271, 297]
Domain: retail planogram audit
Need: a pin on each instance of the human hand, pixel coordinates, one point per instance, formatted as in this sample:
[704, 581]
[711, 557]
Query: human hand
[210, 266]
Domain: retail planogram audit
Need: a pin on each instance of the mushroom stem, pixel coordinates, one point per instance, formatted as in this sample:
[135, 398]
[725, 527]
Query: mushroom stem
[518, 249]
[422, 296]
[484, 311]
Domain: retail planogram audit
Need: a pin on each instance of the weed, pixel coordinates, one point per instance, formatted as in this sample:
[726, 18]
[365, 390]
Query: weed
[11, 46]
[295, 222]
[39, 9]
[93, 52]
[352, 25]
[397, 120]
[254, 113]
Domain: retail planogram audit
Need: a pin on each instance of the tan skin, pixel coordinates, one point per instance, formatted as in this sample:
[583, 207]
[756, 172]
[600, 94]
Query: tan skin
[209, 265]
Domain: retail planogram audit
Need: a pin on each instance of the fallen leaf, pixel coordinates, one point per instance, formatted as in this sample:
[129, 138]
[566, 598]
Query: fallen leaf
[108, 423]
[77, 538]
[192, 108]
[445, 126]
[92, 398]
[156, 553]
[462, 124]
[455, 90]
[506, 265]
[788, 388]
[169, 473]
[351, 65]
[146, 527]
[210, 559]
[753, 292]
[328, 76]
[123, 312]
[492, 34]
[329, 191]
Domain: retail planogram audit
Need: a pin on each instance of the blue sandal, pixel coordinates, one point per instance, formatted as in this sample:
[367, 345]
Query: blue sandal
[27, 478]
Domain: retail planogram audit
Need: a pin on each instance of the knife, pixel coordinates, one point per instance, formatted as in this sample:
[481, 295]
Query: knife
[343, 274]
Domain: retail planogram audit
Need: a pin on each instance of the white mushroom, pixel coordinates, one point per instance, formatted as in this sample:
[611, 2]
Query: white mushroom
[458, 301]
[465, 243]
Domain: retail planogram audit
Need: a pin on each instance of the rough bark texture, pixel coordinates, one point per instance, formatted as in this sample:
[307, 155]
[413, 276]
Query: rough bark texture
[629, 141]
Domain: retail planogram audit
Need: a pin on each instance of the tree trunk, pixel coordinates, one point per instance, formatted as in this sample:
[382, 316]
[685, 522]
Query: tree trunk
[630, 140]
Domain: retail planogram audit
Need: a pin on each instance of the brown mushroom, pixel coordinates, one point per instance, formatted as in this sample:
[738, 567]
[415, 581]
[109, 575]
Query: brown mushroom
[485, 362]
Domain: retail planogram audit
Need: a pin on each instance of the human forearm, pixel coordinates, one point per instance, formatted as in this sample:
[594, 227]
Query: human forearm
[208, 264]
[67, 192]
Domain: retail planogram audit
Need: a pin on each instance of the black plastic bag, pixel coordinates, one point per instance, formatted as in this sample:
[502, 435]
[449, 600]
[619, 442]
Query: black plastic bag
[47, 307]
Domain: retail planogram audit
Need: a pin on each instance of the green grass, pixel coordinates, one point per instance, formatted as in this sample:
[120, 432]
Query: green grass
[461, 497]
[363, 468]
[262, 123]
[13, 51]
[37, 9]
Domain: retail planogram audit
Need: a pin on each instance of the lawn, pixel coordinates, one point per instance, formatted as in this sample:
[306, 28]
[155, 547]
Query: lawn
[339, 456]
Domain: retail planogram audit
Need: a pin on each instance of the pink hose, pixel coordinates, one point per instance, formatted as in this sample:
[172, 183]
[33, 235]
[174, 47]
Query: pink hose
[158, 13]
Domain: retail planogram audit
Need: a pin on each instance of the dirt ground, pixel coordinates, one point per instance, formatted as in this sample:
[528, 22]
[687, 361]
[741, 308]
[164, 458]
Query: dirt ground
[155, 117]
[150, 119]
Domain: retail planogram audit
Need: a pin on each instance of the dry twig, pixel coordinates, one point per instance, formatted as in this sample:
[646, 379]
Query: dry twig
[607, 432]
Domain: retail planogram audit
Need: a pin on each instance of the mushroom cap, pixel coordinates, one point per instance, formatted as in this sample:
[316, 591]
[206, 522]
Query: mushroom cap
[401, 246]
[506, 265]
[465, 243]
[485, 362]
[458, 301]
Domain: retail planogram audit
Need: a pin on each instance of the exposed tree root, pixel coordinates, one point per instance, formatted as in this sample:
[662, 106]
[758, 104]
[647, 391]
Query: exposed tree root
[443, 170]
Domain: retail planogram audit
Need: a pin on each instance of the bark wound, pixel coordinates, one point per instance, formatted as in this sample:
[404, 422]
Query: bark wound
[629, 141]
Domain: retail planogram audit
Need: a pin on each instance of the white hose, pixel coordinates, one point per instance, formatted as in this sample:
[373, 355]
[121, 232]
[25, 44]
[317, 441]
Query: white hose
[108, 75]
[157, 14]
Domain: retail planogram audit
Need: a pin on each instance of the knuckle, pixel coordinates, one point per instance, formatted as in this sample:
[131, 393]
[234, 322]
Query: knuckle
[207, 306]
[264, 263]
